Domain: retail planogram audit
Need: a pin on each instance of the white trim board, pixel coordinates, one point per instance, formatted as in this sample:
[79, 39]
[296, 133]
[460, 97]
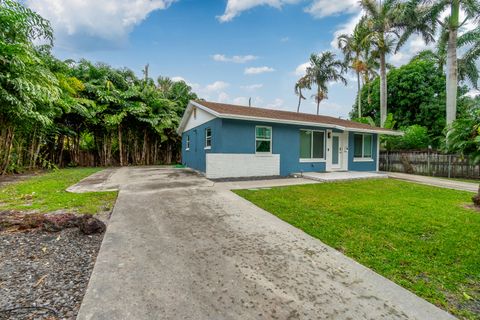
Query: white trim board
[181, 127]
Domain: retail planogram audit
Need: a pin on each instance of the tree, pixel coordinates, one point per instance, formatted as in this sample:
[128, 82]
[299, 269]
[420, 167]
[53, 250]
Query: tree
[417, 96]
[301, 84]
[324, 68]
[390, 24]
[451, 25]
[463, 136]
[356, 51]
[27, 88]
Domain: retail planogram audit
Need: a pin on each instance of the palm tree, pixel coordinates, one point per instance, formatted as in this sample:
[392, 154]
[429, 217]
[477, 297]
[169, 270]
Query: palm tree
[432, 11]
[323, 69]
[353, 47]
[319, 96]
[302, 83]
[391, 23]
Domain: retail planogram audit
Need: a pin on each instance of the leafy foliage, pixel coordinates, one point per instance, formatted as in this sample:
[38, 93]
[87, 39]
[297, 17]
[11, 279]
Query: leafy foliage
[54, 111]
[416, 95]
[415, 137]
[464, 136]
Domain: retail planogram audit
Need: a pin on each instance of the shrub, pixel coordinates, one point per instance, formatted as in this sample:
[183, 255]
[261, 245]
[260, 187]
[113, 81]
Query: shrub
[415, 137]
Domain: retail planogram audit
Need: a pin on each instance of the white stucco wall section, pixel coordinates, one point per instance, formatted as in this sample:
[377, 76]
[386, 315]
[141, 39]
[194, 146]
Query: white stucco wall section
[201, 118]
[234, 165]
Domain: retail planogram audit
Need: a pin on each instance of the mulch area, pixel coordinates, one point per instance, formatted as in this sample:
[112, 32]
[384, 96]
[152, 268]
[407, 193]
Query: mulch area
[44, 274]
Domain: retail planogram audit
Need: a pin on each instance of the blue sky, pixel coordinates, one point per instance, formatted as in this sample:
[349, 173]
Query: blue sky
[227, 50]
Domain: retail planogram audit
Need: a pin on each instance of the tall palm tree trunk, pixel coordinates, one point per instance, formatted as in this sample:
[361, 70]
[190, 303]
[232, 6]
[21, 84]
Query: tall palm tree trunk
[383, 90]
[452, 76]
[318, 101]
[359, 98]
[299, 100]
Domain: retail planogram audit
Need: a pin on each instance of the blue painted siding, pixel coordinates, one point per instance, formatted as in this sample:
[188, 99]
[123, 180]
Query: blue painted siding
[196, 156]
[238, 136]
[361, 166]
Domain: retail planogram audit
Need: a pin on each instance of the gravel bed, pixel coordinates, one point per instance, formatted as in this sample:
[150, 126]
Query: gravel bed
[44, 275]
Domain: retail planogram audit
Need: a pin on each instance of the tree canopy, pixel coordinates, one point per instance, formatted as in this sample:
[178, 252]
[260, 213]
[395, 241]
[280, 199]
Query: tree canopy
[57, 113]
[416, 95]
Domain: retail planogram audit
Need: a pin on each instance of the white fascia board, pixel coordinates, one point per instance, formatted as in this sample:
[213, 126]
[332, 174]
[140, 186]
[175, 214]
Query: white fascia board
[302, 123]
[188, 113]
[388, 133]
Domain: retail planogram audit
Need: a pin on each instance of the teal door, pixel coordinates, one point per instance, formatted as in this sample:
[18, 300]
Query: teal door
[335, 150]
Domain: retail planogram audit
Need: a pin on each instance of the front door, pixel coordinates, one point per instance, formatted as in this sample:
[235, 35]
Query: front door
[337, 151]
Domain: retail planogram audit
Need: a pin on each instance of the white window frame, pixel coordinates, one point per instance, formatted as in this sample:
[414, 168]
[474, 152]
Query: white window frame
[363, 158]
[208, 147]
[264, 139]
[187, 143]
[324, 159]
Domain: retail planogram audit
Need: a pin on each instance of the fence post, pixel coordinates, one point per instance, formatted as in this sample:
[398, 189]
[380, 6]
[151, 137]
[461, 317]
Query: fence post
[449, 164]
[428, 161]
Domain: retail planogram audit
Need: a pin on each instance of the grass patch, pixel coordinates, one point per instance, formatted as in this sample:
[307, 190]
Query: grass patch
[421, 237]
[46, 193]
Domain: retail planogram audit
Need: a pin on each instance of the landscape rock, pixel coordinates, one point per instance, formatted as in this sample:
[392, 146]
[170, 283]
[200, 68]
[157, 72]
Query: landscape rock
[45, 275]
[90, 225]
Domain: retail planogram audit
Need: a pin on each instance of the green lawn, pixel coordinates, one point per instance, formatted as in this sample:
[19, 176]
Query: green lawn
[46, 193]
[421, 237]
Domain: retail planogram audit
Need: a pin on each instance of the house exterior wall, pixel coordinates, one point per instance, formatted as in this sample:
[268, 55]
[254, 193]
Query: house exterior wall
[235, 140]
[354, 165]
[195, 157]
[238, 165]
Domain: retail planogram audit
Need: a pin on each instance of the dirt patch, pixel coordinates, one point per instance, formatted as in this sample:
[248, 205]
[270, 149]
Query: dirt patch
[12, 178]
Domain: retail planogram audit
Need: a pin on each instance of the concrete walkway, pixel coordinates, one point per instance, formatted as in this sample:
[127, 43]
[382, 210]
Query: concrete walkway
[342, 175]
[437, 182]
[181, 247]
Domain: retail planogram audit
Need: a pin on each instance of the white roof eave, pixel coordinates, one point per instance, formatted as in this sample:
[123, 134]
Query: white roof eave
[191, 104]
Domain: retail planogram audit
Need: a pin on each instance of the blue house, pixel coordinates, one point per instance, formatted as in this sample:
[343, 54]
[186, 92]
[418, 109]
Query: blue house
[227, 141]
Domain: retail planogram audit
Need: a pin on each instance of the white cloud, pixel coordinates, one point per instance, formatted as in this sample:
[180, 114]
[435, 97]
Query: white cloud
[345, 28]
[234, 59]
[216, 86]
[243, 101]
[301, 69]
[236, 7]
[316, 8]
[285, 39]
[252, 87]
[110, 20]
[223, 97]
[276, 104]
[324, 8]
[258, 70]
[178, 79]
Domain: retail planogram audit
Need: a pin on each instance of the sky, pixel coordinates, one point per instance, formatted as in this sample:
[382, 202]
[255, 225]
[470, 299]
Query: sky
[227, 50]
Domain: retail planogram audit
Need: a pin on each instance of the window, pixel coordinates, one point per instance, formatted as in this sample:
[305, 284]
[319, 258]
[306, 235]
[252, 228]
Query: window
[187, 143]
[208, 138]
[363, 144]
[312, 144]
[263, 139]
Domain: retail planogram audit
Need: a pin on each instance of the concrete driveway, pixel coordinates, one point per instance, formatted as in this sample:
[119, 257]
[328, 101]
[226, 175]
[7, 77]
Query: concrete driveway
[179, 246]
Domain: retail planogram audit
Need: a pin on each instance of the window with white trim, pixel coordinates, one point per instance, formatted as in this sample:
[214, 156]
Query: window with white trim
[263, 139]
[362, 146]
[187, 143]
[312, 145]
[208, 138]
